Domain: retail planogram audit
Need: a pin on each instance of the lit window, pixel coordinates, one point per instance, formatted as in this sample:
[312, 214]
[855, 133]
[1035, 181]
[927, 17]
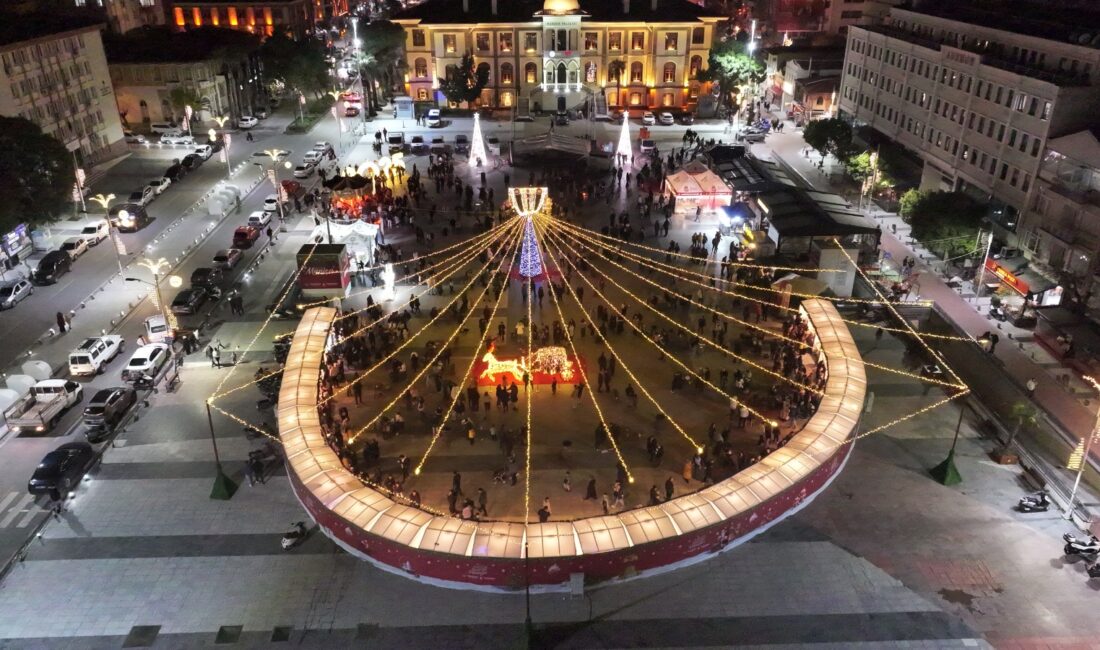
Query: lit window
[506, 73]
[422, 94]
[531, 73]
[615, 41]
[672, 39]
[591, 41]
[531, 41]
[196, 16]
[590, 73]
[667, 100]
[481, 41]
[670, 73]
[635, 99]
[449, 45]
[420, 68]
[698, 36]
[637, 40]
[505, 42]
[636, 73]
[418, 37]
[506, 99]
[696, 66]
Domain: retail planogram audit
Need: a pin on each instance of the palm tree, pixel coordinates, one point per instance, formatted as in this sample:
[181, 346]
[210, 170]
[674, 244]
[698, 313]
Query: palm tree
[1022, 413]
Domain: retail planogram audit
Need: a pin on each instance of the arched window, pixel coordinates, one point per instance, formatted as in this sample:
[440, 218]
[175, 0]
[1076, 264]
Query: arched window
[483, 68]
[506, 74]
[636, 72]
[670, 73]
[696, 66]
[562, 74]
[590, 73]
[615, 72]
[531, 73]
[420, 68]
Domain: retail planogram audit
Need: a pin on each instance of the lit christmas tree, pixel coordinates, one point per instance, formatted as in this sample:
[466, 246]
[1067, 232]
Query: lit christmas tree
[530, 264]
[477, 145]
[625, 148]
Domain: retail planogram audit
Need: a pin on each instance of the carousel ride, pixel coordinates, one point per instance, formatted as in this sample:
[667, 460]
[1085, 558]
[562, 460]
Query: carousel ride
[717, 407]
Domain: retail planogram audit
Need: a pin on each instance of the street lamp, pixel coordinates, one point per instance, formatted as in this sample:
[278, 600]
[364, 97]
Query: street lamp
[1085, 456]
[272, 173]
[104, 200]
[187, 112]
[156, 267]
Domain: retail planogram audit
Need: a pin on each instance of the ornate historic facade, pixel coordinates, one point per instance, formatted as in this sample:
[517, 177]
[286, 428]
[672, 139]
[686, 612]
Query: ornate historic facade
[560, 54]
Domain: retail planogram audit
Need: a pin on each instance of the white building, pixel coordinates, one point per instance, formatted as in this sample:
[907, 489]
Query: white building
[59, 80]
[976, 93]
[124, 15]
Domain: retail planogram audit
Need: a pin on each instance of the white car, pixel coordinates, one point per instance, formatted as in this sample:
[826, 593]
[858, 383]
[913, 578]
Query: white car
[164, 128]
[91, 356]
[176, 139]
[312, 157]
[247, 122]
[96, 231]
[227, 258]
[143, 196]
[433, 117]
[259, 219]
[648, 119]
[752, 136]
[304, 170]
[75, 246]
[322, 146]
[148, 360]
[271, 203]
[666, 119]
[648, 146]
[160, 184]
[204, 151]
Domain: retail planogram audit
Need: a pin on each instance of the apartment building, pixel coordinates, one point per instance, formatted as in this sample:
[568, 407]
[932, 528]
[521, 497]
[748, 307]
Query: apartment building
[563, 54]
[55, 74]
[125, 15]
[259, 17]
[975, 91]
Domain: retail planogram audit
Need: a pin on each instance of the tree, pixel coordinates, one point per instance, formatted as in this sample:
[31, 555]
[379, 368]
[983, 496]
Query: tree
[180, 97]
[907, 202]
[947, 221]
[383, 45]
[830, 135]
[298, 64]
[36, 172]
[859, 167]
[1021, 413]
[615, 70]
[730, 66]
[464, 81]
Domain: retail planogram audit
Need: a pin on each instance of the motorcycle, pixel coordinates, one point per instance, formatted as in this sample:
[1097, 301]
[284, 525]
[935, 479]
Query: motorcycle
[1082, 546]
[997, 313]
[1038, 502]
[1093, 570]
[294, 536]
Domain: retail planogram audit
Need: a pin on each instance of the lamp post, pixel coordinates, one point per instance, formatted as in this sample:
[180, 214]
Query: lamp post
[104, 200]
[1085, 456]
[224, 487]
[221, 120]
[155, 267]
[276, 155]
[187, 112]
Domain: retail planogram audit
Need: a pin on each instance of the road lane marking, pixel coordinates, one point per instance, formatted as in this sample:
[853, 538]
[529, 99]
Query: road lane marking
[16, 510]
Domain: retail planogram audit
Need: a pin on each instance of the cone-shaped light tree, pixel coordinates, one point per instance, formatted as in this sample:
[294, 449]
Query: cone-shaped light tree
[625, 148]
[477, 144]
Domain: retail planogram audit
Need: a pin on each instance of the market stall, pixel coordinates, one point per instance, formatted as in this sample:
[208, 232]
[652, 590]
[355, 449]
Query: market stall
[695, 186]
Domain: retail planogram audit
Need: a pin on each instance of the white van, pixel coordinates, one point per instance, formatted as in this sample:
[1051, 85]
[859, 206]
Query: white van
[156, 330]
[164, 128]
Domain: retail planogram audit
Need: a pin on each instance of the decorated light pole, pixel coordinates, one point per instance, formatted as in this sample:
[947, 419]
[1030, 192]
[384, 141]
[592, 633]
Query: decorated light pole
[477, 144]
[221, 120]
[104, 200]
[624, 149]
[527, 202]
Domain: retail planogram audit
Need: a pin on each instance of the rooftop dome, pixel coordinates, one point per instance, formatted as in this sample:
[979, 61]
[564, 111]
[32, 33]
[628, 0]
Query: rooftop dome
[559, 7]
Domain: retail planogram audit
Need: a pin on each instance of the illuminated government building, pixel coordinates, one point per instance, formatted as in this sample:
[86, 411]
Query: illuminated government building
[563, 54]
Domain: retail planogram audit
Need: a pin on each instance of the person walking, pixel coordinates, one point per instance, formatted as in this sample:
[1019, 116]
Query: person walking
[605, 504]
[590, 491]
[456, 484]
[482, 502]
[670, 487]
[61, 323]
[357, 391]
[687, 471]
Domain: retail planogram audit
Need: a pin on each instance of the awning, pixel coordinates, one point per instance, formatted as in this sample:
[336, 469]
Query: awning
[696, 180]
[1018, 276]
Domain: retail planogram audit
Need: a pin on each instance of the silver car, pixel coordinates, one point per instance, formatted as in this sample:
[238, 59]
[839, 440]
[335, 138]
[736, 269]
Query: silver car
[13, 291]
[227, 258]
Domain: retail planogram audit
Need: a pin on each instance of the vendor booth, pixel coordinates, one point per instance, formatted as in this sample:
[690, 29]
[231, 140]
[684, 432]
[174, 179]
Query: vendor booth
[695, 186]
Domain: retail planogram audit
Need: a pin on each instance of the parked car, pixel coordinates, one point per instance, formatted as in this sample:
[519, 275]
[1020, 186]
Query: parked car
[160, 184]
[205, 151]
[227, 258]
[752, 136]
[245, 236]
[62, 469]
[75, 246]
[260, 218]
[208, 277]
[687, 118]
[189, 301]
[271, 204]
[192, 161]
[106, 409]
[146, 360]
[304, 170]
[439, 147]
[312, 157]
[247, 122]
[323, 146]
[648, 119]
[434, 118]
[13, 292]
[352, 110]
[41, 408]
[129, 217]
[143, 196]
[156, 329]
[175, 173]
[261, 113]
[395, 141]
[52, 266]
[93, 354]
[165, 128]
[492, 145]
[96, 231]
[647, 146]
[462, 144]
[134, 138]
[177, 139]
[666, 119]
[417, 144]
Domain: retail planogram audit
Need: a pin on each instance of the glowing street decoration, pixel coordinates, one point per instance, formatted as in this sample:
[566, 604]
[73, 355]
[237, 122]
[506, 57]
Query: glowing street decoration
[494, 366]
[530, 263]
[625, 148]
[477, 144]
[528, 201]
[551, 360]
[388, 277]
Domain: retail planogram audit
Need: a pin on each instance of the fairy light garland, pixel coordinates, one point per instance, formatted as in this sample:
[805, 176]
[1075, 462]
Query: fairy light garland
[458, 393]
[645, 391]
[529, 390]
[671, 357]
[584, 373]
[427, 366]
[753, 326]
[680, 273]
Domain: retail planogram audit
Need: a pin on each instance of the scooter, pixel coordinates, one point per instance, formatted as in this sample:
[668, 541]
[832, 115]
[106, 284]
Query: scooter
[1082, 546]
[997, 313]
[1038, 502]
[1093, 570]
[294, 536]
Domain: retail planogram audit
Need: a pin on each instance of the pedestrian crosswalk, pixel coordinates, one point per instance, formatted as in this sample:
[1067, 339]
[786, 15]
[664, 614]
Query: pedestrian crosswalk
[18, 510]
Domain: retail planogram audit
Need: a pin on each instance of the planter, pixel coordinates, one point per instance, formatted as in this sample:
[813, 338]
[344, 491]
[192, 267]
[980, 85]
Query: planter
[1002, 456]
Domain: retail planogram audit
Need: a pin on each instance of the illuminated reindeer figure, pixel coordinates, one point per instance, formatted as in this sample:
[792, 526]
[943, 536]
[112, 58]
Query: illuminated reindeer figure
[551, 360]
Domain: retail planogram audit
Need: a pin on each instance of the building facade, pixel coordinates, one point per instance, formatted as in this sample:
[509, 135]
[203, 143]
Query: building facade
[60, 81]
[125, 15]
[259, 17]
[143, 90]
[562, 55]
[977, 97]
